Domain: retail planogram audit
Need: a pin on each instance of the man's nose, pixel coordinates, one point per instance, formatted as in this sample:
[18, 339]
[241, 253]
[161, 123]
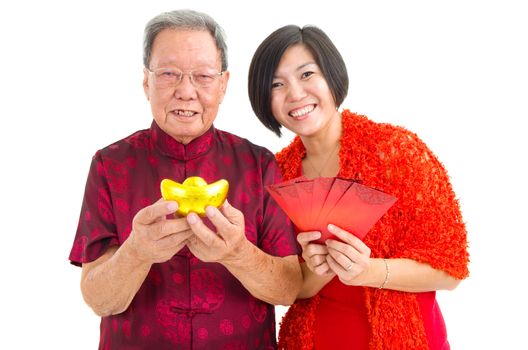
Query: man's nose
[185, 89]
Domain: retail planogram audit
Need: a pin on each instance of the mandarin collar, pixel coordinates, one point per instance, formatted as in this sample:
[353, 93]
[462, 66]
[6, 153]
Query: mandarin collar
[172, 148]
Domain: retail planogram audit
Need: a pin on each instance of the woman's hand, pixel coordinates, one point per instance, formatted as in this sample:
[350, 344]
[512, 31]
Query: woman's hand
[314, 254]
[348, 259]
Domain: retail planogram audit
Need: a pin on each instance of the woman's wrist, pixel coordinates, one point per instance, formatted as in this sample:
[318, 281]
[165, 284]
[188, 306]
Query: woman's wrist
[379, 274]
[387, 274]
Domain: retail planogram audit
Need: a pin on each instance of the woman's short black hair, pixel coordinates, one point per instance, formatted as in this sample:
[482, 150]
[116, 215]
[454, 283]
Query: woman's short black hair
[267, 58]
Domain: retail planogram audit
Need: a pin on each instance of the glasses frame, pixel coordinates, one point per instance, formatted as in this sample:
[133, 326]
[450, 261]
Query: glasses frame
[182, 74]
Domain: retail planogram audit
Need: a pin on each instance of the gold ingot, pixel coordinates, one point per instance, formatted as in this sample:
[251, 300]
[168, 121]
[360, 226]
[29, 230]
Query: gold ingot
[194, 194]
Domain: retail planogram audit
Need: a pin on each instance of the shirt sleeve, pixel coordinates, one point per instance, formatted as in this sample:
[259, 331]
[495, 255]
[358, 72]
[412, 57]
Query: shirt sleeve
[96, 230]
[278, 237]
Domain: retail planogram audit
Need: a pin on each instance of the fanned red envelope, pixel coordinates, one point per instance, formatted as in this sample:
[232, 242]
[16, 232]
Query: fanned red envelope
[312, 204]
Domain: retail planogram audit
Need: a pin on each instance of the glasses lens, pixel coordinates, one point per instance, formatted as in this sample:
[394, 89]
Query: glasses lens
[203, 79]
[170, 77]
[166, 77]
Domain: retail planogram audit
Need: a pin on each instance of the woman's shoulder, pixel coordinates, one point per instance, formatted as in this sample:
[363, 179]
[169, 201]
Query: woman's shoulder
[385, 136]
[295, 147]
[363, 124]
[290, 157]
[291, 152]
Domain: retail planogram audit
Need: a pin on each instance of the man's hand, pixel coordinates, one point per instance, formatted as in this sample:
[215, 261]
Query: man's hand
[275, 280]
[154, 238]
[224, 246]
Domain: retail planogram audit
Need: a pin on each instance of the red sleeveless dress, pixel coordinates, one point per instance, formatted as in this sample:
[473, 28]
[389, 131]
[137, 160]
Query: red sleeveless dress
[341, 319]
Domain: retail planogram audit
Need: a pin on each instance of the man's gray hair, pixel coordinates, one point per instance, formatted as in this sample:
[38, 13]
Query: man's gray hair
[183, 19]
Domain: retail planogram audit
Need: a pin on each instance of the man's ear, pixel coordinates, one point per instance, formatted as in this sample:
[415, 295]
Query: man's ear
[146, 87]
[223, 86]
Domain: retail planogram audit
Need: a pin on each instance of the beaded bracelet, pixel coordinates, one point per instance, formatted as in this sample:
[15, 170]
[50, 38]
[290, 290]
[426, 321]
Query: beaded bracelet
[387, 274]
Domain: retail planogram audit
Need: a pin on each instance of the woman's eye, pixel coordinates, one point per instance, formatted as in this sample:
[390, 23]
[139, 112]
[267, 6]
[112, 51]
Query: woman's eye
[275, 85]
[307, 74]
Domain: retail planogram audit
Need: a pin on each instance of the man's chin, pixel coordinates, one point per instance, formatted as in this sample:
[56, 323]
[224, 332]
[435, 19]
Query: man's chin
[185, 135]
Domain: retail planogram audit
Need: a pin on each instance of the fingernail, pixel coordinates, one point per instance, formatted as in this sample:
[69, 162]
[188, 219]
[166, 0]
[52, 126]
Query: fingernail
[192, 219]
[331, 227]
[210, 212]
[172, 206]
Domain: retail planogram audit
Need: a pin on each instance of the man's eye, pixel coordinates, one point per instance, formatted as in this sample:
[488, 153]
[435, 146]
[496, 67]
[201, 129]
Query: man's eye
[202, 78]
[169, 74]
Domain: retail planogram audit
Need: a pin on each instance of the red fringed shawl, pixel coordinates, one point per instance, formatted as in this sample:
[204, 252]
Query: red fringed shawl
[425, 225]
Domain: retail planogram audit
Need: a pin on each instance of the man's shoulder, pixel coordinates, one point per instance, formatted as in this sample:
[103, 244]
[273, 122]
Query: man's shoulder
[136, 141]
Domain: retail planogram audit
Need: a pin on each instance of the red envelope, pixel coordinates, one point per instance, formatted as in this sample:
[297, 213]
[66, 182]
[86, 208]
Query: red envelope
[305, 191]
[287, 196]
[283, 201]
[313, 204]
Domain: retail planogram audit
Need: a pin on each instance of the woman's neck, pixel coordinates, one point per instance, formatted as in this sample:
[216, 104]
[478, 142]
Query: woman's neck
[322, 150]
[324, 141]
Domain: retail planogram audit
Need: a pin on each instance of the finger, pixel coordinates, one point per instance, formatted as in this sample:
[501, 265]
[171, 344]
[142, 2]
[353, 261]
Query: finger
[176, 239]
[199, 248]
[336, 248]
[232, 214]
[305, 237]
[223, 225]
[335, 266]
[322, 269]
[315, 249]
[318, 260]
[154, 212]
[349, 238]
[356, 257]
[168, 227]
[343, 248]
[201, 231]
[344, 261]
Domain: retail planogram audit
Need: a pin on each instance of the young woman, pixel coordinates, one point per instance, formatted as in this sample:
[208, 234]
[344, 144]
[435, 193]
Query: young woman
[378, 293]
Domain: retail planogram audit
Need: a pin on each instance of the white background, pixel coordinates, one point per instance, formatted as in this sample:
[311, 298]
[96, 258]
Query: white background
[455, 72]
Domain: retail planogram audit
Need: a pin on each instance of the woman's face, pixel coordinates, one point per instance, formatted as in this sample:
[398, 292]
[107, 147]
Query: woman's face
[301, 100]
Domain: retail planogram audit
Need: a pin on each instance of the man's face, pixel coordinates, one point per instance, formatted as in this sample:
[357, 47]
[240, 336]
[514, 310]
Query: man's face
[184, 110]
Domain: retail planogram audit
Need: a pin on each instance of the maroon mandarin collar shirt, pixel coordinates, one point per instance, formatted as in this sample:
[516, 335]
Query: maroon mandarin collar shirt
[183, 303]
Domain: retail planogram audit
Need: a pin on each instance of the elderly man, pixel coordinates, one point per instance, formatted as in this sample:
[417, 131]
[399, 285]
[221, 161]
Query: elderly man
[167, 282]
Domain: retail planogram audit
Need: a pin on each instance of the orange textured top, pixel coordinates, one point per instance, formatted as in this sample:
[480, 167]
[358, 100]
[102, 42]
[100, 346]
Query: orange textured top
[424, 225]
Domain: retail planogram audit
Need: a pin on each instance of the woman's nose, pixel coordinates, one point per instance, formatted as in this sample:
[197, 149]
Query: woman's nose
[296, 91]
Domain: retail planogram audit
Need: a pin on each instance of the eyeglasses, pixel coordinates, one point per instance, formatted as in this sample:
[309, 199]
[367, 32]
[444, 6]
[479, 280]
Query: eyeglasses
[171, 77]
